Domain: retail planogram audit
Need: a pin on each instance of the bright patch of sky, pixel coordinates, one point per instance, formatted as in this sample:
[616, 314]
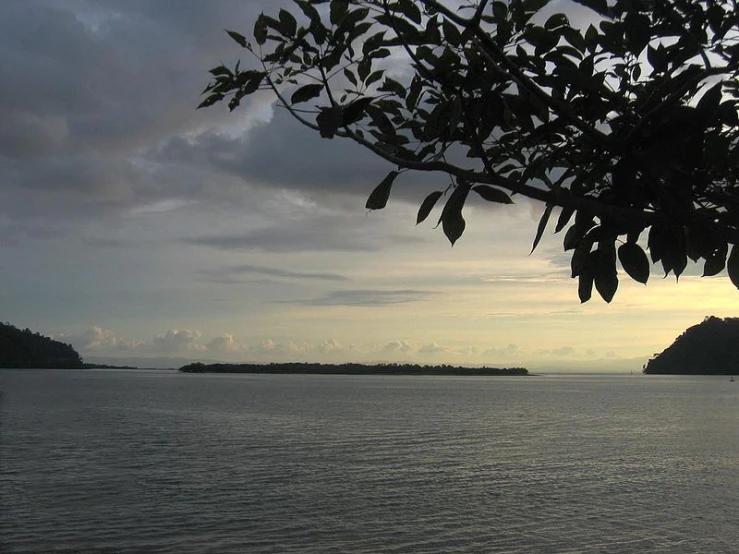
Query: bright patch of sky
[134, 226]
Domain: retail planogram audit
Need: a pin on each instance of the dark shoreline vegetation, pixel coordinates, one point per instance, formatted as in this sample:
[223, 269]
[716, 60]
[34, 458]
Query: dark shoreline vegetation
[24, 349]
[351, 369]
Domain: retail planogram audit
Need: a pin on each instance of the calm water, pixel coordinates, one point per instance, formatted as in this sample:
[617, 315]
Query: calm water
[154, 461]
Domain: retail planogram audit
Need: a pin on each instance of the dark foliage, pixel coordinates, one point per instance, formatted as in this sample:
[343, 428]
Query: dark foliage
[627, 129]
[26, 349]
[709, 348]
[350, 369]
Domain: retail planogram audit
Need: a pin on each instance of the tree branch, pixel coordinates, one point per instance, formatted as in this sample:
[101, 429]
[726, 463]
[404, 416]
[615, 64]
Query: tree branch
[491, 51]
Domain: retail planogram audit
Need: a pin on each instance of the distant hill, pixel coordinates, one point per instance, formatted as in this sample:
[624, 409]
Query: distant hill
[709, 348]
[26, 349]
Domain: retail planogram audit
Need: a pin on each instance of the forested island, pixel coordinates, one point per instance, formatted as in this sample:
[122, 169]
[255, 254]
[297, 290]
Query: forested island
[351, 369]
[26, 349]
[709, 348]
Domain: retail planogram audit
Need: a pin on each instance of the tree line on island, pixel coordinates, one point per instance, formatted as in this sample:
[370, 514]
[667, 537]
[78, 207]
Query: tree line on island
[350, 369]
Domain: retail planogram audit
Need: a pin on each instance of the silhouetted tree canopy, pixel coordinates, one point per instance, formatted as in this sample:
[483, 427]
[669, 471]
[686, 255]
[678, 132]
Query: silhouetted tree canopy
[26, 349]
[709, 348]
[625, 128]
[351, 369]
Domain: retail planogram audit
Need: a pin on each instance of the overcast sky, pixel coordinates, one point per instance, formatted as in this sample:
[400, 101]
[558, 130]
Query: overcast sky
[132, 225]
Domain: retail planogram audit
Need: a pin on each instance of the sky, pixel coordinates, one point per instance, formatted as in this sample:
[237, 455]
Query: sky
[134, 226]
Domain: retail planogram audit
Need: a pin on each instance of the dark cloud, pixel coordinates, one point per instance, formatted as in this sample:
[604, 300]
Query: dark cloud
[367, 298]
[99, 118]
[108, 243]
[317, 234]
[286, 154]
[283, 153]
[89, 87]
[238, 270]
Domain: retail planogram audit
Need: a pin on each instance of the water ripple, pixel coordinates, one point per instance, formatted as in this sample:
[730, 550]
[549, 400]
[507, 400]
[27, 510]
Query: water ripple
[157, 462]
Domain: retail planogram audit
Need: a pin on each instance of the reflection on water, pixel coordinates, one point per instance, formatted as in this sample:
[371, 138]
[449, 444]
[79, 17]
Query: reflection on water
[145, 461]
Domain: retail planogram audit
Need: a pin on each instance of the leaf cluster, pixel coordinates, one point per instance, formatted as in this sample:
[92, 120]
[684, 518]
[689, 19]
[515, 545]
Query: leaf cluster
[627, 127]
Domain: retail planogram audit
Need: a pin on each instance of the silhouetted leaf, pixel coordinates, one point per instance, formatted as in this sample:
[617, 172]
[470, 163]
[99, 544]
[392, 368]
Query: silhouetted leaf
[564, 218]
[576, 231]
[350, 76]
[716, 261]
[329, 121]
[354, 111]
[254, 80]
[260, 29]
[306, 92]
[657, 242]
[667, 245]
[579, 257]
[542, 225]
[374, 77]
[709, 102]
[606, 276]
[288, 24]
[657, 58]
[391, 85]
[556, 20]
[339, 9]
[411, 10]
[492, 194]
[310, 12]
[586, 276]
[210, 100]
[638, 32]
[220, 70]
[634, 261]
[453, 225]
[427, 205]
[452, 222]
[378, 198]
[239, 38]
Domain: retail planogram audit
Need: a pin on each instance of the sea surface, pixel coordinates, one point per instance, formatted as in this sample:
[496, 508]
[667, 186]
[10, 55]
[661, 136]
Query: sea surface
[113, 461]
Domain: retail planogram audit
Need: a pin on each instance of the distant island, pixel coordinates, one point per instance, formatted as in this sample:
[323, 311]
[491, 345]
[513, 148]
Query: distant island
[709, 348]
[351, 369]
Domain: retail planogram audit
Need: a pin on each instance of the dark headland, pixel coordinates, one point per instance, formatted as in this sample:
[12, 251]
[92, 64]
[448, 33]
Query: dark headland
[709, 348]
[351, 369]
[24, 349]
